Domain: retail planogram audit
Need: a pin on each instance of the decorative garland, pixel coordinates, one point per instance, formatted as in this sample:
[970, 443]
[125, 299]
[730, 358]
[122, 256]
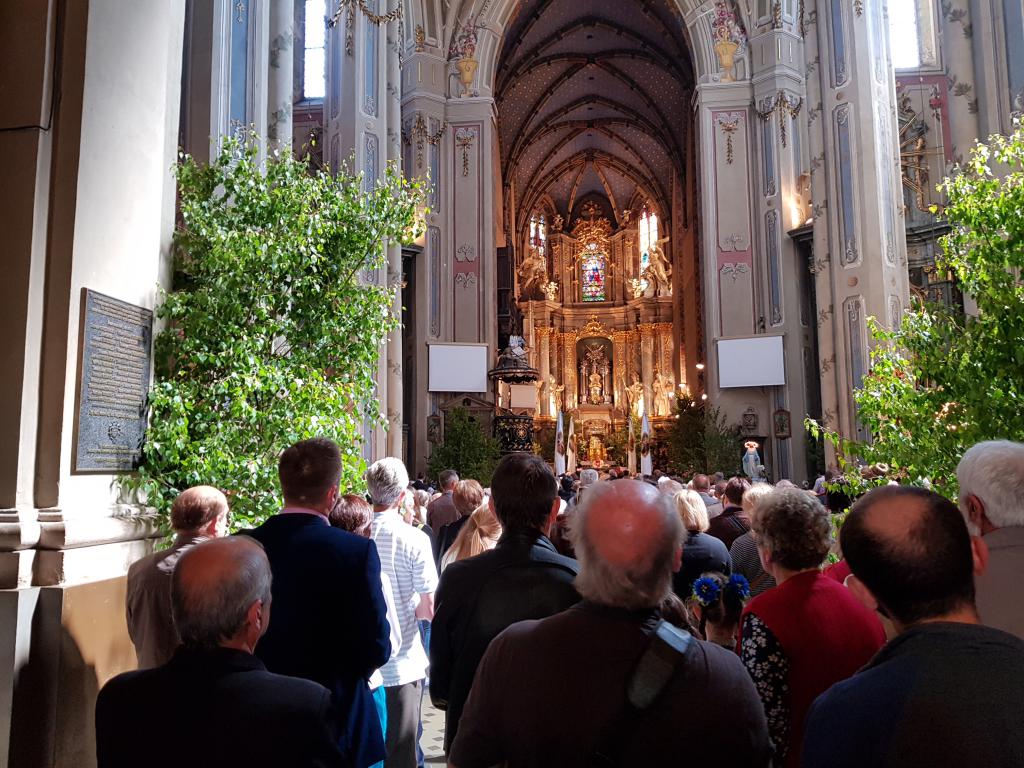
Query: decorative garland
[780, 106]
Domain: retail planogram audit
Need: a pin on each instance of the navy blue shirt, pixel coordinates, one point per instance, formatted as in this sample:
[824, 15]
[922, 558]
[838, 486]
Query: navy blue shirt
[938, 695]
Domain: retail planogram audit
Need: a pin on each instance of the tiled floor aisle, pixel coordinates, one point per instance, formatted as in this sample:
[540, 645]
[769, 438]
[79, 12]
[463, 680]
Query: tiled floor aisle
[432, 742]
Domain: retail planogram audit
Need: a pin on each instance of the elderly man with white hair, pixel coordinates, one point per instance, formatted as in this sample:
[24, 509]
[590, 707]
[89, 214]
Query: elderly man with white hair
[554, 691]
[991, 477]
[409, 578]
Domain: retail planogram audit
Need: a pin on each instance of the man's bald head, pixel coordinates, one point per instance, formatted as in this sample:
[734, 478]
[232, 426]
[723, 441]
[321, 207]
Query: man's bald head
[197, 510]
[214, 586]
[911, 549]
[626, 536]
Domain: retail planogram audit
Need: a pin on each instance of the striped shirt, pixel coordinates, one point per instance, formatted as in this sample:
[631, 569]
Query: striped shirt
[407, 571]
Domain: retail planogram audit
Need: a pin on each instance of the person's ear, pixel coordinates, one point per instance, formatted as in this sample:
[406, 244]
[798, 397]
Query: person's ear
[677, 559]
[490, 505]
[862, 593]
[332, 496]
[975, 511]
[979, 552]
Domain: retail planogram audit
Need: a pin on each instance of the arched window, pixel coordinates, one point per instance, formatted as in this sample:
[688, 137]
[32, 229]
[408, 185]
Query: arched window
[314, 82]
[593, 277]
[648, 237]
[539, 233]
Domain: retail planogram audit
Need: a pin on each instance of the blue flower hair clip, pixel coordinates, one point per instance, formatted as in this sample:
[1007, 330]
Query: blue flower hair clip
[706, 591]
[739, 585]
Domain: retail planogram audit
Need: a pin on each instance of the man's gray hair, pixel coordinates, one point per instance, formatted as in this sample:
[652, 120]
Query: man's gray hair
[208, 611]
[588, 477]
[642, 584]
[994, 472]
[386, 480]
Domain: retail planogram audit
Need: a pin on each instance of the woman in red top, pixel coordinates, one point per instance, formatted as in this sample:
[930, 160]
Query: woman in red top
[807, 633]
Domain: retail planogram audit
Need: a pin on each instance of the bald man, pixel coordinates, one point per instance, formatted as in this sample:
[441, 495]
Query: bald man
[198, 514]
[946, 691]
[553, 692]
[214, 703]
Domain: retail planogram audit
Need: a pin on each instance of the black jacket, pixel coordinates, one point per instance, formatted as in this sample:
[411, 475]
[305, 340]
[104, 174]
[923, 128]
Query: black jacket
[217, 708]
[329, 621]
[522, 578]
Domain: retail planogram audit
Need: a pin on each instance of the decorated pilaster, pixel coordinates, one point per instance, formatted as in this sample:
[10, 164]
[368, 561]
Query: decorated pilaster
[780, 103]
[544, 387]
[362, 132]
[860, 244]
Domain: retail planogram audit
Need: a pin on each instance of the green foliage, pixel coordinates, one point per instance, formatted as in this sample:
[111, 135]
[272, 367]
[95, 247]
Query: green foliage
[466, 448]
[702, 441]
[273, 334]
[943, 381]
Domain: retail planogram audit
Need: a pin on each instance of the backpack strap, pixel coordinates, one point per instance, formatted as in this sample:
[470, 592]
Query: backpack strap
[663, 655]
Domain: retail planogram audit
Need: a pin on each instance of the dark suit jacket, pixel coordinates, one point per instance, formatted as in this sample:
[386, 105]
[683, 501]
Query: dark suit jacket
[730, 525]
[523, 577]
[216, 709]
[328, 620]
[446, 537]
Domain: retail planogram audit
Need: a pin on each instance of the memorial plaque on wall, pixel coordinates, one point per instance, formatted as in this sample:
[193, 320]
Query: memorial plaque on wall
[117, 344]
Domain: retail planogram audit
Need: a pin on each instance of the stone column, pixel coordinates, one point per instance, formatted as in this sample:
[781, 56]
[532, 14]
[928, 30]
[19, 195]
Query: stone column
[861, 240]
[647, 332]
[544, 335]
[394, 251]
[66, 541]
[357, 130]
[781, 104]
[280, 82]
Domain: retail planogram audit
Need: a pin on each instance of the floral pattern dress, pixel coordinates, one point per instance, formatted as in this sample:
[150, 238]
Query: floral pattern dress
[768, 665]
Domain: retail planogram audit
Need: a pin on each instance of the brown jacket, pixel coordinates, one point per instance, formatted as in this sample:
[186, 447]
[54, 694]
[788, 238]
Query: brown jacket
[148, 603]
[999, 603]
[441, 511]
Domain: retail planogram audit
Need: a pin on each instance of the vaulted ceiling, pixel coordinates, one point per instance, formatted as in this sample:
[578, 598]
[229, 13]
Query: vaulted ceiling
[593, 99]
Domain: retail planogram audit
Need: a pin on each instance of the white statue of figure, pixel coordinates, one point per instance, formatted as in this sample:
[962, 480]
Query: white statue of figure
[659, 270]
[555, 391]
[752, 466]
[635, 393]
[533, 274]
[662, 395]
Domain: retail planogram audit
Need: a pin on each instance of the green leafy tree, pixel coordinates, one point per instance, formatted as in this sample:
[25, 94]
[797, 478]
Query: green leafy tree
[943, 380]
[273, 332]
[466, 448]
[701, 440]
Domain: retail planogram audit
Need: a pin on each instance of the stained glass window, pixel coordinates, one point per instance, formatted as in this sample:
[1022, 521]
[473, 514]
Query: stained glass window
[593, 274]
[648, 237]
[539, 233]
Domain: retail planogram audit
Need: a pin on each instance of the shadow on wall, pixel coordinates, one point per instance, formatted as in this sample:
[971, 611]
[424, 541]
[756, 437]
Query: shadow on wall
[79, 640]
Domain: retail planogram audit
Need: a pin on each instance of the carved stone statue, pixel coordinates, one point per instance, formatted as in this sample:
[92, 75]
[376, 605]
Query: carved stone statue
[533, 274]
[635, 393]
[556, 393]
[662, 395]
[659, 270]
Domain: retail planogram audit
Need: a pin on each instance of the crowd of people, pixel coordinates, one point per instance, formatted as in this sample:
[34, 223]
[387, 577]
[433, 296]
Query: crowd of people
[580, 621]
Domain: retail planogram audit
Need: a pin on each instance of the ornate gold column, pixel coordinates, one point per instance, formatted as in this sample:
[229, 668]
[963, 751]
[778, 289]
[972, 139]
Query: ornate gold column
[621, 365]
[569, 368]
[544, 339]
[648, 332]
[665, 364]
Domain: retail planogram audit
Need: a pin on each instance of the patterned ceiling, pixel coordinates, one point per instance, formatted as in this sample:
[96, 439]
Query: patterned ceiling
[593, 99]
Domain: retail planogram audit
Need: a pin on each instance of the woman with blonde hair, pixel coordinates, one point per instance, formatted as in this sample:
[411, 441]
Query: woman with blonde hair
[701, 551]
[480, 533]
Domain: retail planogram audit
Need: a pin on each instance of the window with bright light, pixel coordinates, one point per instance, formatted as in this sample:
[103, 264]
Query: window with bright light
[539, 233]
[314, 81]
[648, 238]
[905, 34]
[593, 265]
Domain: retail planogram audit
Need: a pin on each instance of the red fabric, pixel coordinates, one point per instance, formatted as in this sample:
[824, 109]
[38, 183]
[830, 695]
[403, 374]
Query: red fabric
[838, 571]
[827, 635]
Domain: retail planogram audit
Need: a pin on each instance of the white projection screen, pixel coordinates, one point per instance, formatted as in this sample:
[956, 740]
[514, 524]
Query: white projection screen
[756, 361]
[457, 368]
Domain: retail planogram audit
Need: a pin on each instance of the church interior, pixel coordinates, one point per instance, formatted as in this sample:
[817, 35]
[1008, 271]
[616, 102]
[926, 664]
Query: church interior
[622, 192]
